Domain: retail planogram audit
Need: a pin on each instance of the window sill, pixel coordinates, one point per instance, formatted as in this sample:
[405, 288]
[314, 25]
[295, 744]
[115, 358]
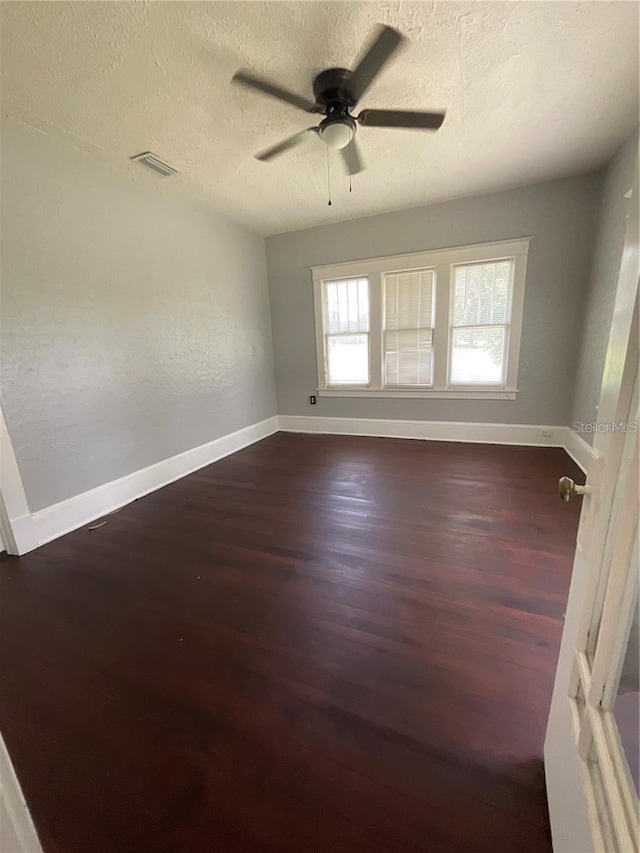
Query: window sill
[420, 394]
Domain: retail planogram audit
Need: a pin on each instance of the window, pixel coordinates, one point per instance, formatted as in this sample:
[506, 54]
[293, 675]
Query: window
[480, 323]
[408, 328]
[347, 331]
[444, 323]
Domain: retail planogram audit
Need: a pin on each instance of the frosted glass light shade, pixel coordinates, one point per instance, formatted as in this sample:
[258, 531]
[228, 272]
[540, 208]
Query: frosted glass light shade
[337, 135]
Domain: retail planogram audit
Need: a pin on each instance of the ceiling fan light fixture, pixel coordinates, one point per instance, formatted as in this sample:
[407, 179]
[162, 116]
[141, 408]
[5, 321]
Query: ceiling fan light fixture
[337, 133]
[336, 92]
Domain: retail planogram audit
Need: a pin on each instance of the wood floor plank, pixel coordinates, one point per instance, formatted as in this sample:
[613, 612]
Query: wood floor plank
[320, 643]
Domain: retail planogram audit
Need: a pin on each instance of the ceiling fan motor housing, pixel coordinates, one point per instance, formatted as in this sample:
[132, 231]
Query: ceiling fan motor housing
[331, 89]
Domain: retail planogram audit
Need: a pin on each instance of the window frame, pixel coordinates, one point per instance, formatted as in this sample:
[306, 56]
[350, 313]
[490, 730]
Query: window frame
[442, 261]
[506, 325]
[389, 386]
[326, 334]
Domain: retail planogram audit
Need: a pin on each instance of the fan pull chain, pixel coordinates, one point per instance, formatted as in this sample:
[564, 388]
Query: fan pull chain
[328, 178]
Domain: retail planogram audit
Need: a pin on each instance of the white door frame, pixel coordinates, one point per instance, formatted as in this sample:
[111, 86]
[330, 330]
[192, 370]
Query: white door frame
[16, 523]
[586, 815]
[17, 832]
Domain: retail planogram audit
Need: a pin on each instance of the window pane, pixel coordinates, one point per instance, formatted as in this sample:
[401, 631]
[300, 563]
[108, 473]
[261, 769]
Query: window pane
[477, 356]
[348, 359]
[408, 344]
[482, 293]
[409, 300]
[347, 305]
[409, 357]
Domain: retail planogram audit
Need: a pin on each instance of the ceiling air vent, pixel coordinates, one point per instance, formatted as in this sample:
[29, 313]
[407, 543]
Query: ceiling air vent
[152, 161]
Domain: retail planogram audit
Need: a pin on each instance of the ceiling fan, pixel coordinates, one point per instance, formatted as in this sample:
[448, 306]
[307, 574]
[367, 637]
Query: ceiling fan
[336, 92]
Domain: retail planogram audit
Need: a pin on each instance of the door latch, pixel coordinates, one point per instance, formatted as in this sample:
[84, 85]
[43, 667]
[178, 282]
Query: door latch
[569, 489]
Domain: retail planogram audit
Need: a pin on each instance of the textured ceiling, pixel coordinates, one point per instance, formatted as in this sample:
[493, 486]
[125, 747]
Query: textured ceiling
[533, 90]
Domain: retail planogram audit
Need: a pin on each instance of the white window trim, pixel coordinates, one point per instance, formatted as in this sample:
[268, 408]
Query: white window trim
[442, 261]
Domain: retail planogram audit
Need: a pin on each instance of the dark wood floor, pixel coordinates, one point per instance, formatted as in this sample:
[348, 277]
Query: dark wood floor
[320, 643]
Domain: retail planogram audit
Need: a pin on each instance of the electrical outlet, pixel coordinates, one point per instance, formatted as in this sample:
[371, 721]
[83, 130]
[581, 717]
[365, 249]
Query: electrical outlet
[312, 399]
[547, 433]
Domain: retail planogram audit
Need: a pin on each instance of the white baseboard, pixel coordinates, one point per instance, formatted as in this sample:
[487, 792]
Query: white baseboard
[68, 515]
[579, 450]
[478, 433]
[54, 521]
[25, 534]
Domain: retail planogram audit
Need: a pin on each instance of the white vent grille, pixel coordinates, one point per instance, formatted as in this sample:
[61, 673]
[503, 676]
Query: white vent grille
[152, 161]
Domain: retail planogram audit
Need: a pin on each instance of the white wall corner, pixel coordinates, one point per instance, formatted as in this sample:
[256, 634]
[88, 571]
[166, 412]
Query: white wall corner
[70, 514]
[579, 450]
[476, 433]
[16, 524]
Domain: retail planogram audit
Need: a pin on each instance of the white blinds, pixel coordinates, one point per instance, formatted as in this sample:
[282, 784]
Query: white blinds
[481, 307]
[347, 306]
[408, 328]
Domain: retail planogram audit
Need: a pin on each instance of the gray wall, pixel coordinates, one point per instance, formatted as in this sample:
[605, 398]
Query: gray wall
[617, 180]
[560, 215]
[135, 325]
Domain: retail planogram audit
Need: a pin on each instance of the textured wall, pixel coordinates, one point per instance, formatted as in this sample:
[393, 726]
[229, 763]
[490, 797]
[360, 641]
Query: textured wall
[618, 178]
[134, 326]
[560, 215]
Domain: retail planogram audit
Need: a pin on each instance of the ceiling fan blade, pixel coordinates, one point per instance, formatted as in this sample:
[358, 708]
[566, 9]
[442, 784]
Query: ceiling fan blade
[352, 158]
[385, 43]
[289, 142]
[401, 118]
[246, 78]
